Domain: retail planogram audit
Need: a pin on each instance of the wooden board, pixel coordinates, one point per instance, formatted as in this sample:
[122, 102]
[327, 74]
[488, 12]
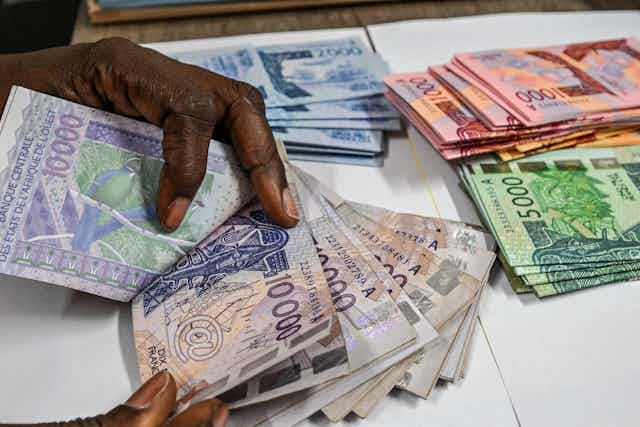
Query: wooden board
[356, 15]
[99, 15]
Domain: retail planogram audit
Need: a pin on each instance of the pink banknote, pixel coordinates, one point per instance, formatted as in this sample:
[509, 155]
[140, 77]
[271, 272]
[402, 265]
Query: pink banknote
[555, 83]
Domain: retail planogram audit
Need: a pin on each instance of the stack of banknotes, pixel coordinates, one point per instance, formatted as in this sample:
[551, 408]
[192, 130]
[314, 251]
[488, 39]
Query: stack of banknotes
[280, 323]
[565, 220]
[520, 102]
[324, 99]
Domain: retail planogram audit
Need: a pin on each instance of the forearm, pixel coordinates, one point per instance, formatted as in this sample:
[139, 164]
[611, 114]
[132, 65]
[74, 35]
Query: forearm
[46, 70]
[89, 423]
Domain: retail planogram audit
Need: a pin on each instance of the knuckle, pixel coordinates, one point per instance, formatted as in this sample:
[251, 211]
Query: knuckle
[112, 47]
[113, 44]
[109, 54]
[245, 90]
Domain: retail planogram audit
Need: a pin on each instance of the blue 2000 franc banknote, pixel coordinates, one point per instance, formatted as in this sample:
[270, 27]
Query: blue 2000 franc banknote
[294, 74]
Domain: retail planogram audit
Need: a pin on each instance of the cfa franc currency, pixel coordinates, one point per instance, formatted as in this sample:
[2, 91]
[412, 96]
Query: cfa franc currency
[370, 141]
[390, 282]
[370, 124]
[448, 118]
[372, 107]
[340, 408]
[461, 241]
[439, 286]
[552, 83]
[302, 73]
[372, 324]
[425, 332]
[430, 232]
[301, 148]
[451, 366]
[365, 312]
[463, 244]
[290, 410]
[247, 297]
[383, 387]
[422, 376]
[322, 361]
[78, 197]
[568, 219]
[346, 159]
[483, 107]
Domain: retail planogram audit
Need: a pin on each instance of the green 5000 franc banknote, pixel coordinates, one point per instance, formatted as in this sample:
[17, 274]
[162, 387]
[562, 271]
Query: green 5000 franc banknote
[562, 207]
[78, 197]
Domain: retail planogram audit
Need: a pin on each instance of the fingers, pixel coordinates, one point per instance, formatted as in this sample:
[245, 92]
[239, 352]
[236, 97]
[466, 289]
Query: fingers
[150, 406]
[187, 102]
[211, 413]
[158, 395]
[256, 149]
[185, 147]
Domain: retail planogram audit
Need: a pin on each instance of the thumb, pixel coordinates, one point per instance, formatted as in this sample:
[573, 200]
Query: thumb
[150, 406]
[209, 413]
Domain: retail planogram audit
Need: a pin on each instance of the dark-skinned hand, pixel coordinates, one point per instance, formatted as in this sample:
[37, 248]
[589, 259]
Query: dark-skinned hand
[190, 104]
[152, 406]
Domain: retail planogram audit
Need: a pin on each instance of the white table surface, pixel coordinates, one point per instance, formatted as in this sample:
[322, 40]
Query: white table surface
[566, 361]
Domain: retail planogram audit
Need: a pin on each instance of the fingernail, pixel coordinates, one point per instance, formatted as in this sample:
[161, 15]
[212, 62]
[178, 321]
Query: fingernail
[144, 397]
[220, 418]
[289, 205]
[176, 212]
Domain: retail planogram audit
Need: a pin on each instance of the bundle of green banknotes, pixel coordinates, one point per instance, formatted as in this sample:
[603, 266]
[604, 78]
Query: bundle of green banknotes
[565, 220]
[546, 141]
[280, 323]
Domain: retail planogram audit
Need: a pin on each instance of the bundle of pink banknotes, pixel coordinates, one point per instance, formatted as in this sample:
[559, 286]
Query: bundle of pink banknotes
[523, 101]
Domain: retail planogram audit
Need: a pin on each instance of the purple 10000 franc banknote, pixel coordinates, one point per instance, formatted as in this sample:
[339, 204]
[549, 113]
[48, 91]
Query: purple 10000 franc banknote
[78, 192]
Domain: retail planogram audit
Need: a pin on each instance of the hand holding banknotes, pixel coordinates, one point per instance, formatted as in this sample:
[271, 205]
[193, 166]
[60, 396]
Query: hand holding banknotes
[152, 406]
[191, 104]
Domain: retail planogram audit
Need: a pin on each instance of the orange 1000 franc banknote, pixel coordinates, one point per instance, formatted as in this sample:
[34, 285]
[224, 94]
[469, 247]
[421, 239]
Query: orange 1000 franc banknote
[436, 105]
[550, 84]
[590, 139]
[444, 113]
[471, 94]
[464, 147]
[496, 113]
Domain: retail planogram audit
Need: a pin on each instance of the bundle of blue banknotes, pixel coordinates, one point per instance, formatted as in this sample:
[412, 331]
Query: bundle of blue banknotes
[324, 99]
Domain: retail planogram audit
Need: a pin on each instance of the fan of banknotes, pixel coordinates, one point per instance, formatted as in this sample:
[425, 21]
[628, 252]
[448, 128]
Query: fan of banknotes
[521, 102]
[352, 302]
[324, 99]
